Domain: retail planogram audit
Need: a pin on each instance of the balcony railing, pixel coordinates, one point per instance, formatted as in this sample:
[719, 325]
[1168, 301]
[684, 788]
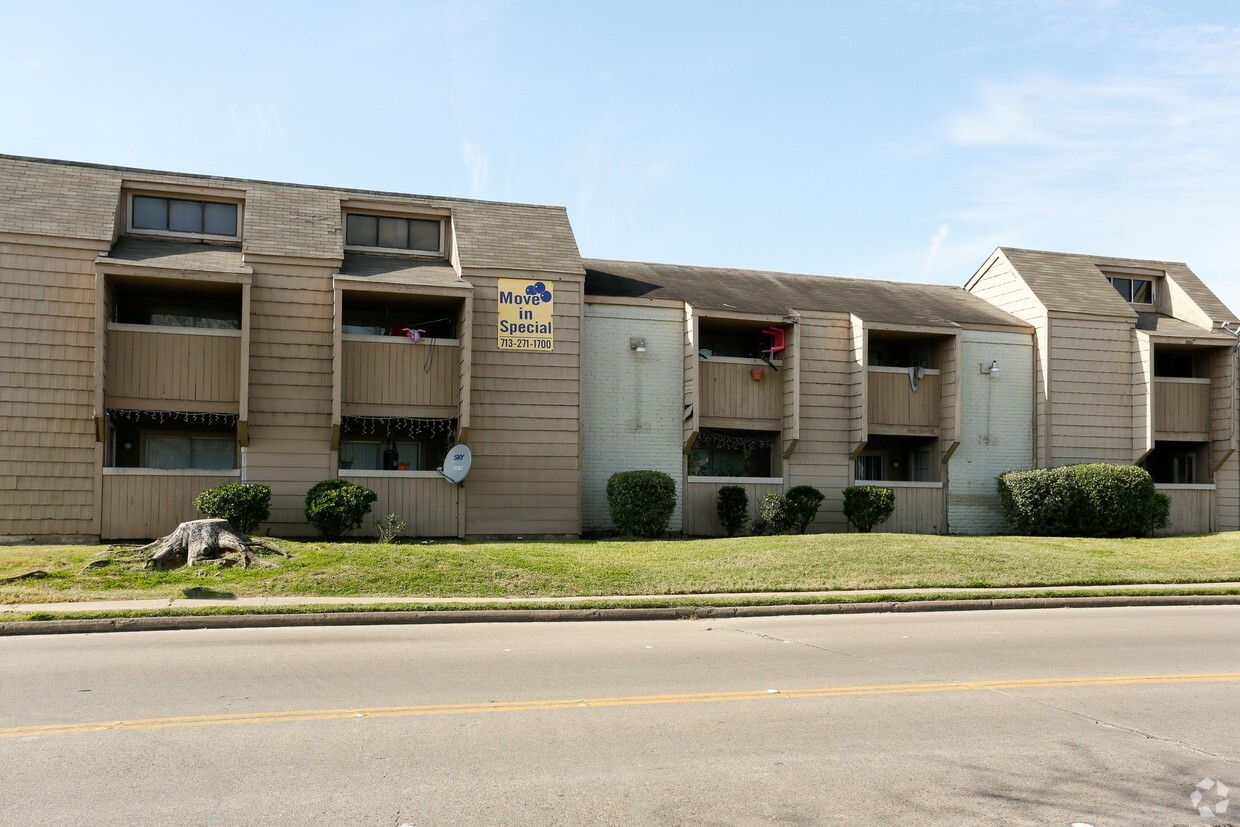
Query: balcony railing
[894, 406]
[169, 368]
[1182, 408]
[393, 372]
[740, 389]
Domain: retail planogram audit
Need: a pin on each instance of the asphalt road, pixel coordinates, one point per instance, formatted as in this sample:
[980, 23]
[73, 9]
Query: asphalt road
[1093, 716]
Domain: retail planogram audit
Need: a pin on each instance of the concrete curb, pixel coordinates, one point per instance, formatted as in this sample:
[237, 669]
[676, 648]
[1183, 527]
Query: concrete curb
[393, 618]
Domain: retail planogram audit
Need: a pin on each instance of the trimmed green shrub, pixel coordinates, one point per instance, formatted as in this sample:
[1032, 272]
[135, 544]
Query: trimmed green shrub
[641, 502]
[243, 504]
[1093, 500]
[866, 506]
[802, 503]
[774, 516]
[334, 507]
[732, 506]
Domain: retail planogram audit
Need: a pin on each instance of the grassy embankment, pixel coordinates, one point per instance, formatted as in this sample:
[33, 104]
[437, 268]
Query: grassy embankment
[514, 570]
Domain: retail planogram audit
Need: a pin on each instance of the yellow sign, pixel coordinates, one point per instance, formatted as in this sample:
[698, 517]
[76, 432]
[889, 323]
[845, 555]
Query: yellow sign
[525, 309]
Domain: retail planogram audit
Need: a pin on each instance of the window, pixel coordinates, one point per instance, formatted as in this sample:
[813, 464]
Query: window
[182, 216]
[166, 450]
[733, 453]
[373, 443]
[173, 440]
[375, 314]
[1133, 290]
[919, 466]
[869, 467]
[215, 309]
[416, 235]
[1184, 468]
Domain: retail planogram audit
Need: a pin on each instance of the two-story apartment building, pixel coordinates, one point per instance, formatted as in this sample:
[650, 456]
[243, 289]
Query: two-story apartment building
[162, 333]
[1135, 363]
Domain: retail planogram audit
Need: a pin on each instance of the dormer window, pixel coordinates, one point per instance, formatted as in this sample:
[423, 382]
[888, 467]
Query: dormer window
[163, 215]
[1133, 290]
[388, 233]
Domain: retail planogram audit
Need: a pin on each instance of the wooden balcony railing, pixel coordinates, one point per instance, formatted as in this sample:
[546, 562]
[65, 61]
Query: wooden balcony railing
[172, 368]
[729, 390]
[1181, 408]
[393, 372]
[895, 407]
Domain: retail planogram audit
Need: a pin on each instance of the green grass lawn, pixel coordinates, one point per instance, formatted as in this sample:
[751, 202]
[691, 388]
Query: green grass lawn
[661, 567]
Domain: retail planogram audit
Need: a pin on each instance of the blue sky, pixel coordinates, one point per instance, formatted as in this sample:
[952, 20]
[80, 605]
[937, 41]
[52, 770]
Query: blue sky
[900, 140]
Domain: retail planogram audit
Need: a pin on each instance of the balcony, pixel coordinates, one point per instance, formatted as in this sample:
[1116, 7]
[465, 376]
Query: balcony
[731, 396]
[383, 373]
[895, 408]
[1181, 409]
[173, 368]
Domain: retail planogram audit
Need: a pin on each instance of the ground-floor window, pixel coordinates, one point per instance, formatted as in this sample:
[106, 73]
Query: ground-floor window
[720, 452]
[172, 440]
[897, 459]
[373, 443]
[1179, 463]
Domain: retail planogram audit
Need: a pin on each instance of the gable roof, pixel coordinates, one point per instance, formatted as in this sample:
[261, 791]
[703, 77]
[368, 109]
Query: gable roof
[1076, 283]
[72, 200]
[760, 291]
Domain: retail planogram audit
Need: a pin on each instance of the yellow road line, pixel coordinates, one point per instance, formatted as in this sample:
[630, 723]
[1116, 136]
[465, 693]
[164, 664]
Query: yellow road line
[289, 716]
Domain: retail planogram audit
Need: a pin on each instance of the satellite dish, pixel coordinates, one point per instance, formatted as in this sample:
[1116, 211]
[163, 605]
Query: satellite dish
[457, 463]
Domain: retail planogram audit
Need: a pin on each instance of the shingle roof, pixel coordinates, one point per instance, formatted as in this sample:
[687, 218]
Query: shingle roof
[758, 291]
[178, 255]
[66, 199]
[1161, 324]
[395, 270]
[1076, 283]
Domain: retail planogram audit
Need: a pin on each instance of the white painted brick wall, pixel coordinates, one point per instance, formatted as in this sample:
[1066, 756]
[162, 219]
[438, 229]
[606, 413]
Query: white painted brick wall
[632, 402]
[995, 428]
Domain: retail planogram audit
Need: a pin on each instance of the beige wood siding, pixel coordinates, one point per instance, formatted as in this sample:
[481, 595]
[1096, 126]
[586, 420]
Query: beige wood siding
[465, 326]
[1091, 388]
[290, 387]
[49, 459]
[857, 384]
[830, 388]
[919, 509]
[525, 416]
[1192, 509]
[1142, 396]
[397, 374]
[700, 518]
[729, 391]
[949, 390]
[1182, 409]
[1225, 438]
[162, 369]
[894, 407]
[429, 504]
[146, 505]
[791, 392]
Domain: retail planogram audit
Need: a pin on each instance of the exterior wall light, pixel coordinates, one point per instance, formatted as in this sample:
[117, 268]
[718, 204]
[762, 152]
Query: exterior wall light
[637, 344]
[992, 368]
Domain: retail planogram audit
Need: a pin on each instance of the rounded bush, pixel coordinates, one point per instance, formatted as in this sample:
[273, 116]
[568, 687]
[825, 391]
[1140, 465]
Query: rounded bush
[803, 502]
[732, 506]
[866, 506]
[641, 502]
[334, 507]
[774, 516]
[1092, 500]
[243, 504]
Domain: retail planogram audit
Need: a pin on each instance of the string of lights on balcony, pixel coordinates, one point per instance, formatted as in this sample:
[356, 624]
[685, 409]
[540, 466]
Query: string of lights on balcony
[160, 417]
[390, 426]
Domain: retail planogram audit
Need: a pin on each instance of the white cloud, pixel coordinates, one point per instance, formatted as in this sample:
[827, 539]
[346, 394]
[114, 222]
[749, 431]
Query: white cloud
[478, 164]
[935, 244]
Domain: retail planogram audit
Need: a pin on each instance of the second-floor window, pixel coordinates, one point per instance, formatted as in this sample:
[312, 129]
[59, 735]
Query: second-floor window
[168, 307]
[1133, 290]
[381, 232]
[182, 216]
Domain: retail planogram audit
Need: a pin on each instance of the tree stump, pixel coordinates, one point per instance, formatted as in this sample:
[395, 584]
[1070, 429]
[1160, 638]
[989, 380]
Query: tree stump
[205, 541]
